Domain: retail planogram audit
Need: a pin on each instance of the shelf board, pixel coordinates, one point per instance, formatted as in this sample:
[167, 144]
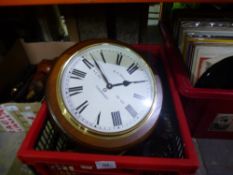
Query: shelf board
[49, 2]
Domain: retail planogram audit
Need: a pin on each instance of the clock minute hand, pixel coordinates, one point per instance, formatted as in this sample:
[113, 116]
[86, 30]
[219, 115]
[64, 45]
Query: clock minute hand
[101, 72]
[126, 83]
[140, 81]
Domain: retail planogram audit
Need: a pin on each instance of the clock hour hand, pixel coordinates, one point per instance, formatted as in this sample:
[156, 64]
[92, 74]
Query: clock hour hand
[126, 83]
[100, 70]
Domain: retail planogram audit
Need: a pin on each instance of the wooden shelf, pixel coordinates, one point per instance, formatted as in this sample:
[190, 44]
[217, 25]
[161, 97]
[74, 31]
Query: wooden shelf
[49, 2]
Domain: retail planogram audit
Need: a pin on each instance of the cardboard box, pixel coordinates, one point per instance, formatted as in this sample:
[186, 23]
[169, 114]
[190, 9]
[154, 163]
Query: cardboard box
[44, 50]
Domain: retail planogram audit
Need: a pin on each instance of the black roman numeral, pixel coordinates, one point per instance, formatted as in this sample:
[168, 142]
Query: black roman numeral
[87, 63]
[116, 118]
[81, 107]
[75, 90]
[102, 56]
[78, 74]
[98, 119]
[132, 68]
[119, 58]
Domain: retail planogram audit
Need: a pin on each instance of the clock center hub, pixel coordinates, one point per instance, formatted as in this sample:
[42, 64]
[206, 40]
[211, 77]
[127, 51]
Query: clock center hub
[109, 86]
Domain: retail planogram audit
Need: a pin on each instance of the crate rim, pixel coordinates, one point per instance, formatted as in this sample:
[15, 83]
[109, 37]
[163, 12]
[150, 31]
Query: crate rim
[189, 163]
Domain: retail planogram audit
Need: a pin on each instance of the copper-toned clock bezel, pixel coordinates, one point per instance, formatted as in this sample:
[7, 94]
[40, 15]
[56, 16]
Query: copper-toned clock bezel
[75, 130]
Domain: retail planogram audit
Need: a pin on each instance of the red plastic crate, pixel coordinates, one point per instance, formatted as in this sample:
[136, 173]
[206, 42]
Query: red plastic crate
[35, 150]
[201, 105]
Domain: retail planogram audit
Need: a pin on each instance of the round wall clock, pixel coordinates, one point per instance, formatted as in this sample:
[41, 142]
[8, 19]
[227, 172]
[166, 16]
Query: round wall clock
[104, 95]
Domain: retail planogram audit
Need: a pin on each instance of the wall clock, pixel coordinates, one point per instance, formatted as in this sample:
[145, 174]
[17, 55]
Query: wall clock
[104, 95]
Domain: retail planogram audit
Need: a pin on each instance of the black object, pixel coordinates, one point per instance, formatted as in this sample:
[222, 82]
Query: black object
[218, 76]
[18, 90]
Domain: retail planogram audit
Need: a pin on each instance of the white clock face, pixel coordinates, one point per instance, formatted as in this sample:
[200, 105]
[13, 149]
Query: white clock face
[107, 88]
